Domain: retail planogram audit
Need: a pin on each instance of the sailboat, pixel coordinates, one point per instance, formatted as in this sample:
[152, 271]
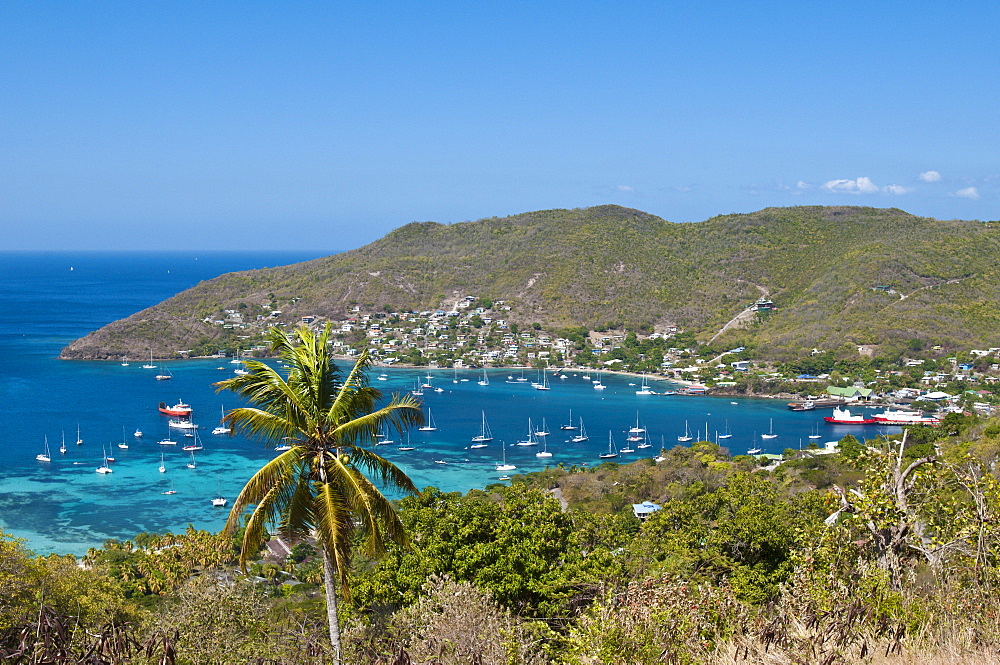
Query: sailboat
[455, 378]
[569, 426]
[137, 433]
[219, 501]
[634, 433]
[727, 434]
[544, 431]
[167, 441]
[687, 434]
[124, 444]
[582, 436]
[484, 436]
[150, 364]
[815, 434]
[163, 466]
[124, 361]
[62, 448]
[79, 441]
[544, 452]
[222, 429]
[164, 374]
[485, 381]
[770, 434]
[544, 385]
[171, 490]
[383, 437]
[644, 389]
[530, 441]
[645, 441]
[429, 426]
[44, 456]
[756, 449]
[197, 445]
[611, 448]
[192, 464]
[406, 446]
[427, 383]
[597, 383]
[503, 466]
[104, 468]
[417, 390]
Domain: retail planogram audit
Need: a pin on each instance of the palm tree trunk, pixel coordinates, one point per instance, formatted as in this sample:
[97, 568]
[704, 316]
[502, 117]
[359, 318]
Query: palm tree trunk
[330, 581]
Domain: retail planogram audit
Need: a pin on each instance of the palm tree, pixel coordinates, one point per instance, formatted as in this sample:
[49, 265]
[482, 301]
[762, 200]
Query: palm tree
[319, 486]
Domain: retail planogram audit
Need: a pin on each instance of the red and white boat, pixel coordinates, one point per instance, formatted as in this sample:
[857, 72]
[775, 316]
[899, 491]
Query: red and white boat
[897, 417]
[845, 417]
[180, 409]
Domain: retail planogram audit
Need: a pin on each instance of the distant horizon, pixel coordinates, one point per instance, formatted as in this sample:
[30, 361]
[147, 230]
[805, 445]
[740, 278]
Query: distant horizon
[137, 126]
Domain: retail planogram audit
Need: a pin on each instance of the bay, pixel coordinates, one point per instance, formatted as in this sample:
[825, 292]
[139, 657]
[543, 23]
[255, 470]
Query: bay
[63, 506]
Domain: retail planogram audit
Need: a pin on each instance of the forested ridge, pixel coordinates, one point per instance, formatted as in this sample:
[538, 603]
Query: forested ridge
[610, 267]
[886, 551]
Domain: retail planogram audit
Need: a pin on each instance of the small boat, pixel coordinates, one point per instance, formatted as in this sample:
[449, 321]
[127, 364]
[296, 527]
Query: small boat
[770, 434]
[124, 361]
[163, 466]
[383, 437]
[530, 441]
[427, 383]
[44, 456]
[406, 446]
[503, 466]
[181, 424]
[611, 448]
[544, 452]
[597, 383]
[150, 364]
[417, 390]
[124, 444]
[485, 381]
[164, 374]
[222, 429]
[383, 377]
[428, 426]
[192, 464]
[180, 409]
[544, 431]
[167, 441]
[197, 445]
[521, 379]
[62, 447]
[687, 434]
[219, 501]
[644, 389]
[582, 436]
[637, 429]
[104, 468]
[439, 461]
[544, 385]
[504, 478]
[727, 434]
[137, 433]
[282, 447]
[756, 449]
[171, 490]
[485, 435]
[815, 434]
[645, 442]
[79, 441]
[569, 427]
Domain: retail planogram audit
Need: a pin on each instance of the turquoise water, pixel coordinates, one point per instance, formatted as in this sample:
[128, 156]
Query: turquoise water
[64, 506]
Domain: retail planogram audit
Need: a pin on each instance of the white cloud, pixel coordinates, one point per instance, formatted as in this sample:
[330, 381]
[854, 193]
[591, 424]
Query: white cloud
[862, 185]
[624, 188]
[898, 189]
[930, 176]
[803, 185]
[968, 193]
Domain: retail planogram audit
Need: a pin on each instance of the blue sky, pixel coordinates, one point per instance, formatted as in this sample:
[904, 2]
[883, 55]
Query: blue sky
[236, 125]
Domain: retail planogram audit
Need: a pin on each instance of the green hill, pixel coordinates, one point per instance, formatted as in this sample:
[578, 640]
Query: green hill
[614, 267]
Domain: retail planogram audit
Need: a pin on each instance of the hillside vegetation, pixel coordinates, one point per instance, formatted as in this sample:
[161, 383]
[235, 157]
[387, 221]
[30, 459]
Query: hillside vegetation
[613, 267]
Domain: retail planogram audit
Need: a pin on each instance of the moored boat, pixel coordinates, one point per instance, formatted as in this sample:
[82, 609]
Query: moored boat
[845, 417]
[179, 409]
[899, 417]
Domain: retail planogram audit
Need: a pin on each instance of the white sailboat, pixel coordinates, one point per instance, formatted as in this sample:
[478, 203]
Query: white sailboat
[815, 434]
[222, 428]
[124, 361]
[597, 383]
[544, 385]
[485, 435]
[164, 374]
[530, 441]
[770, 434]
[163, 467]
[406, 446]
[124, 444]
[544, 452]
[197, 445]
[428, 426]
[687, 434]
[611, 448]
[644, 389]
[192, 464]
[417, 390]
[137, 433]
[150, 364]
[645, 441]
[570, 427]
[727, 434]
[485, 381]
[79, 441]
[44, 456]
[62, 447]
[582, 436]
[104, 468]
[383, 437]
[503, 466]
[756, 449]
[219, 501]
[544, 431]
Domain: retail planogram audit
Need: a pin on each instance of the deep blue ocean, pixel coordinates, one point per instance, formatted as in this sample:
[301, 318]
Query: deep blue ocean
[63, 506]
